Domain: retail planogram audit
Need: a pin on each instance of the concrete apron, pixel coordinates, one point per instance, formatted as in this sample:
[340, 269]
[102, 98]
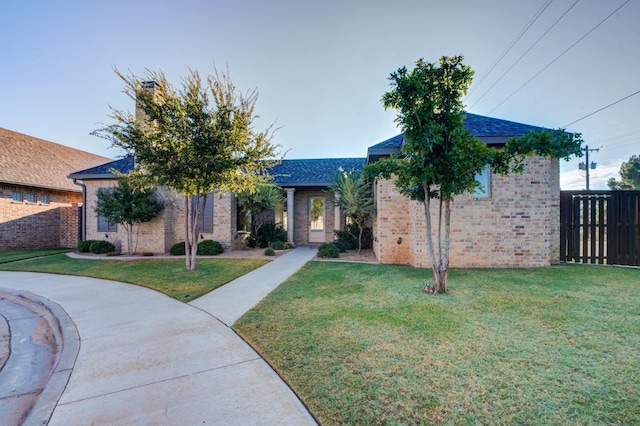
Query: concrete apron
[146, 358]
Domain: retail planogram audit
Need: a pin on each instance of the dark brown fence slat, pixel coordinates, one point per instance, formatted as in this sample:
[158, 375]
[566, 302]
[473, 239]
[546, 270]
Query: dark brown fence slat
[602, 214]
[564, 218]
[600, 227]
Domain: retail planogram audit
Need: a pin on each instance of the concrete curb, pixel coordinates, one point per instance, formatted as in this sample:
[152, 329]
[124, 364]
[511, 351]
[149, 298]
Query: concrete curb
[68, 342]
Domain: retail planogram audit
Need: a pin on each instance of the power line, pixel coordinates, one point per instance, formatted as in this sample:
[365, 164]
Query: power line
[602, 109]
[559, 56]
[513, 43]
[524, 54]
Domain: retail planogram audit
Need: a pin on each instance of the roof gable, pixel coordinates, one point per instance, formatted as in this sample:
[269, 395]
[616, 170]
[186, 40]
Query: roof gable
[105, 171]
[30, 161]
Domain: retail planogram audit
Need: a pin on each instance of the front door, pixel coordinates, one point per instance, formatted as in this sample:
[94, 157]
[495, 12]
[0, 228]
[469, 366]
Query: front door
[316, 220]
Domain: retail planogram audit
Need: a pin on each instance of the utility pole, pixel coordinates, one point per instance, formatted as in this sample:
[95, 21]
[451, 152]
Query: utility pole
[586, 165]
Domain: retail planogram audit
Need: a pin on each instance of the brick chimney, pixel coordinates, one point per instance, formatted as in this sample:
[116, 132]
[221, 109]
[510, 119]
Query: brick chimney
[146, 85]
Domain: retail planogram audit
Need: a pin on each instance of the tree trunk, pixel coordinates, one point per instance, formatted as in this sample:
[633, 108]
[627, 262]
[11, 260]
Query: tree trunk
[442, 274]
[135, 247]
[196, 211]
[129, 228]
[439, 263]
[187, 244]
[360, 229]
[428, 236]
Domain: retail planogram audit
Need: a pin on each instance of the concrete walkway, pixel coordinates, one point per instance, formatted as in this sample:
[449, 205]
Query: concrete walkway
[145, 358]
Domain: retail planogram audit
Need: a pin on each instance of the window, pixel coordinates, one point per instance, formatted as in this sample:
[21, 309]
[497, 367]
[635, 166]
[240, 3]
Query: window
[484, 179]
[105, 226]
[244, 220]
[44, 199]
[205, 221]
[17, 196]
[30, 198]
[281, 213]
[103, 223]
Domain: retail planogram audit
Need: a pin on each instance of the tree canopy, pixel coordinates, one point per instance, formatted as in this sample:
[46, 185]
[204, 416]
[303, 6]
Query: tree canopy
[439, 158]
[629, 175]
[194, 139]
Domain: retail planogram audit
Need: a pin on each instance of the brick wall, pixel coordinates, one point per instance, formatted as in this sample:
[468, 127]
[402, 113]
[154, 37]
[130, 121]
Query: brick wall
[158, 235]
[36, 224]
[150, 235]
[225, 218]
[518, 225]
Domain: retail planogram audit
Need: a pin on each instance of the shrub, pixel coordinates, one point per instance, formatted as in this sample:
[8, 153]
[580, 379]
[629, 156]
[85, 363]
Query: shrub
[101, 247]
[342, 245]
[328, 250]
[251, 241]
[177, 249]
[84, 246]
[349, 242]
[209, 248]
[270, 232]
[269, 251]
[279, 245]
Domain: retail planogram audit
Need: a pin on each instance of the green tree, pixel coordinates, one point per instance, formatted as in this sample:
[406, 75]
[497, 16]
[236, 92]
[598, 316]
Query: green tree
[439, 158]
[194, 139]
[266, 197]
[354, 195]
[128, 206]
[629, 175]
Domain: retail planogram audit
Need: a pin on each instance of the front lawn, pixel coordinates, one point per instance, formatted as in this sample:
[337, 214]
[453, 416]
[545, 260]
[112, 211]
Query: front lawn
[165, 275]
[363, 344]
[16, 255]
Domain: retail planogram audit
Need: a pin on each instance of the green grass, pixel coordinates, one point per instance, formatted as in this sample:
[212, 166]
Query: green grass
[165, 275]
[15, 255]
[363, 344]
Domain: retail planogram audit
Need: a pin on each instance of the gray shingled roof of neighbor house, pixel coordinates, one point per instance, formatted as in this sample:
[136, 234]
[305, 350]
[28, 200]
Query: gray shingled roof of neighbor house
[313, 172]
[29, 161]
[105, 171]
[289, 173]
[493, 131]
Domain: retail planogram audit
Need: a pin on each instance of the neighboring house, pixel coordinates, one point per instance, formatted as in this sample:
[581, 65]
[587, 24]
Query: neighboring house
[39, 206]
[307, 212]
[515, 221]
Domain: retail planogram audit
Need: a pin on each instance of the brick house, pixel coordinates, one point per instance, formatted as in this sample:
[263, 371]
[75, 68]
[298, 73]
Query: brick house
[514, 222]
[38, 204]
[307, 212]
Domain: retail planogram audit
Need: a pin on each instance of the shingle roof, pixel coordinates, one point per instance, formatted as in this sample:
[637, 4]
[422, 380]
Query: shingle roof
[308, 173]
[493, 131]
[29, 161]
[313, 172]
[482, 126]
[105, 171]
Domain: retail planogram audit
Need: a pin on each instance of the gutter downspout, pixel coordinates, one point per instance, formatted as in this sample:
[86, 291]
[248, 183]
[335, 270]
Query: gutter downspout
[83, 232]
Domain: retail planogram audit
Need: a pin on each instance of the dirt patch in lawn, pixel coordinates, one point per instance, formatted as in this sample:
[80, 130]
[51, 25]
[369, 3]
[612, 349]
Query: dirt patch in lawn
[365, 256]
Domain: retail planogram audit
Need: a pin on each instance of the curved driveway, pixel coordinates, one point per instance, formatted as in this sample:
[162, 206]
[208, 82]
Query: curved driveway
[145, 358]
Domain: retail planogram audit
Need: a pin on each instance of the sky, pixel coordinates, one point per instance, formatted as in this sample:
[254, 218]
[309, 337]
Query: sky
[321, 67]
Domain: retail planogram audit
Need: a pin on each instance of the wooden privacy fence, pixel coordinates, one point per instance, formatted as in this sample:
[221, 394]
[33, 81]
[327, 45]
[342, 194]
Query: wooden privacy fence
[600, 227]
